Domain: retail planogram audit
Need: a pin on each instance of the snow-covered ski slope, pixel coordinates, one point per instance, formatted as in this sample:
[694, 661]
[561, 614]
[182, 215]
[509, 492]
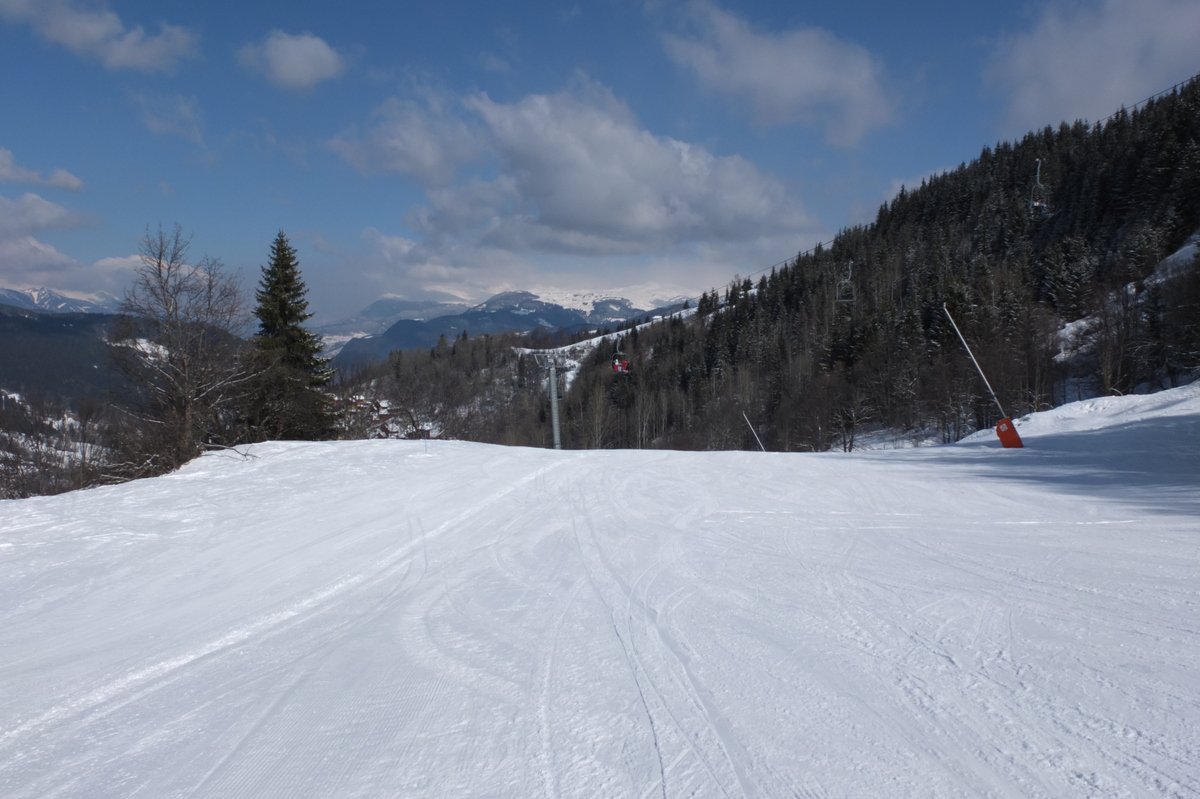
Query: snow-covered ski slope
[368, 619]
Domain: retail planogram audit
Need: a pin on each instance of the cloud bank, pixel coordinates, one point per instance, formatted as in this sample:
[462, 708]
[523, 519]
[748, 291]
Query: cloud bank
[99, 34]
[28, 262]
[10, 172]
[570, 177]
[31, 214]
[294, 62]
[172, 115]
[806, 75]
[1085, 62]
[422, 139]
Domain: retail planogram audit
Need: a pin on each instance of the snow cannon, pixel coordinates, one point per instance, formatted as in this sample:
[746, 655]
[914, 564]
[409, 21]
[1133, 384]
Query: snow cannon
[1005, 429]
[1007, 433]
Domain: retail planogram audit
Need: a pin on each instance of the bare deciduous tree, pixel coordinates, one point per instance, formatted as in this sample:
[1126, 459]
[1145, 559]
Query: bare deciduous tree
[177, 342]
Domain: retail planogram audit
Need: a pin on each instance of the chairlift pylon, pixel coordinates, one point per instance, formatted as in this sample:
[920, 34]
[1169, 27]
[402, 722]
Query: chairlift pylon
[549, 360]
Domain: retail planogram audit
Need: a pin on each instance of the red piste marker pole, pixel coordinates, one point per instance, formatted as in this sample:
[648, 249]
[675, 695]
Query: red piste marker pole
[1006, 431]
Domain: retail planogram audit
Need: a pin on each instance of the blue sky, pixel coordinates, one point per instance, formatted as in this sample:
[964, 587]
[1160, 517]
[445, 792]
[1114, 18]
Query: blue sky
[439, 150]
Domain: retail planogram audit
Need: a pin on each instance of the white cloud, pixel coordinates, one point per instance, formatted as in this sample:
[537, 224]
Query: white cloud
[31, 214]
[100, 34]
[448, 271]
[494, 63]
[62, 179]
[422, 140]
[567, 184]
[25, 261]
[113, 272]
[1085, 62]
[12, 173]
[471, 273]
[573, 172]
[579, 175]
[806, 74]
[175, 115]
[295, 62]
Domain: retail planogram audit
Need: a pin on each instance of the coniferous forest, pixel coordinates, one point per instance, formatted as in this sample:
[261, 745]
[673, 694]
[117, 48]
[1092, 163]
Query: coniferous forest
[1065, 226]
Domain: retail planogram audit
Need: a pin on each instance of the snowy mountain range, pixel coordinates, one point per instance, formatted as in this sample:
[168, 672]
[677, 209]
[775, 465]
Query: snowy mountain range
[49, 300]
[53, 342]
[391, 324]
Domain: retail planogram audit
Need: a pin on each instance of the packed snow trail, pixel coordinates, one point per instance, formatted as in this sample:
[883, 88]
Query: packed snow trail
[368, 619]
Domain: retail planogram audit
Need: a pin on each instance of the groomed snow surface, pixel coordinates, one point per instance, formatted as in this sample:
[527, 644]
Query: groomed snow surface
[370, 619]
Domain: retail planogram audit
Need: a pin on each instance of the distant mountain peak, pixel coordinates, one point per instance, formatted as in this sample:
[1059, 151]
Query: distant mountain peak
[510, 300]
[53, 301]
[371, 336]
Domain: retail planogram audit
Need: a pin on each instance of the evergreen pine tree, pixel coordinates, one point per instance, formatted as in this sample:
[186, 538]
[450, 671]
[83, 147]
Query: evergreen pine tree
[282, 310]
[288, 403]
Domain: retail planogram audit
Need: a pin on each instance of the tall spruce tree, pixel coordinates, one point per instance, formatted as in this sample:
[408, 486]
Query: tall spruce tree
[288, 403]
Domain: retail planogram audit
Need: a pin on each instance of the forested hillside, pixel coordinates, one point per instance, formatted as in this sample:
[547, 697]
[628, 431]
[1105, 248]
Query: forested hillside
[854, 335]
[1066, 225]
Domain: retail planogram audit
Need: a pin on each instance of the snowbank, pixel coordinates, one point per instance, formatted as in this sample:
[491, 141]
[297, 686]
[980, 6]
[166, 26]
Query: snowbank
[365, 619]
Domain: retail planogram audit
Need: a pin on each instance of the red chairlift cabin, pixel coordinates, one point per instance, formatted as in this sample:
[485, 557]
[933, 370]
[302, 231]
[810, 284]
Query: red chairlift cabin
[619, 362]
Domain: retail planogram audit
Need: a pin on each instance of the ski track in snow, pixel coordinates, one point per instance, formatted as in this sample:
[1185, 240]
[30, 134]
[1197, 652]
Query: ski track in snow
[371, 619]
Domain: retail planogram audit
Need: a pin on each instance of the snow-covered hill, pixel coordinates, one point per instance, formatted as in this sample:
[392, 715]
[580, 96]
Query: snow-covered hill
[372, 618]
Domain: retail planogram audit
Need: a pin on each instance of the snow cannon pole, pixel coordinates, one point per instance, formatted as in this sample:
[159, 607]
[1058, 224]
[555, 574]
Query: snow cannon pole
[752, 430]
[1005, 430]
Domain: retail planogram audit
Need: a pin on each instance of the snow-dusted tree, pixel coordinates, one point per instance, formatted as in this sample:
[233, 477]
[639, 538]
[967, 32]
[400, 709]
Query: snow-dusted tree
[287, 400]
[177, 342]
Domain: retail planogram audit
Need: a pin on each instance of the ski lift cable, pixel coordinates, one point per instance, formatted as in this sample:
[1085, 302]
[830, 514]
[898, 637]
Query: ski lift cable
[777, 264]
[1140, 103]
